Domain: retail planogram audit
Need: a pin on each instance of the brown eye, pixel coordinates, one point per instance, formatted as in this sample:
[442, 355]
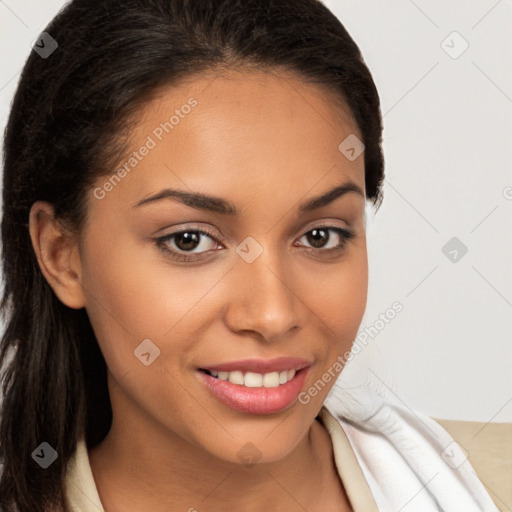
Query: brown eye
[186, 240]
[320, 237]
[182, 245]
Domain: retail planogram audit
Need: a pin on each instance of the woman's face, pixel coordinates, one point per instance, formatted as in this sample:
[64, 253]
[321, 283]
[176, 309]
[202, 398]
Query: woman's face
[268, 280]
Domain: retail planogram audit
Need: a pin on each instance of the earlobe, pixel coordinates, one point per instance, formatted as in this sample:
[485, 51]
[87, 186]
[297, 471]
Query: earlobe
[57, 255]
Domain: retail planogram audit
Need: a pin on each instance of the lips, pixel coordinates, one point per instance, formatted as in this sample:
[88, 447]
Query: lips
[256, 386]
[255, 400]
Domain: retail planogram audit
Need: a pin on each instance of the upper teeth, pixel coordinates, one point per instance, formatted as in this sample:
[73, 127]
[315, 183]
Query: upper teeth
[256, 380]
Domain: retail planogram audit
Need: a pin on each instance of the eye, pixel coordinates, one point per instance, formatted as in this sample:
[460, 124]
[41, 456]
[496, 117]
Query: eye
[186, 240]
[320, 238]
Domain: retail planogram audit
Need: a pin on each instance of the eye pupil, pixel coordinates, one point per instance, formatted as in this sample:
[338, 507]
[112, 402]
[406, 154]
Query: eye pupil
[317, 237]
[189, 237]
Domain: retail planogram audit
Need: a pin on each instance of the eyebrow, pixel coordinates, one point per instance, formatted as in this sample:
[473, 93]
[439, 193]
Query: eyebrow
[219, 205]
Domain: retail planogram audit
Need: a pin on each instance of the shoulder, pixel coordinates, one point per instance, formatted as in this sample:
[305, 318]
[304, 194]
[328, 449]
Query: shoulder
[489, 449]
[410, 461]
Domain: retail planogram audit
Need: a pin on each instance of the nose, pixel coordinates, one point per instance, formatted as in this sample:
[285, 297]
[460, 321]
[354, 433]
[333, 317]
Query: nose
[263, 301]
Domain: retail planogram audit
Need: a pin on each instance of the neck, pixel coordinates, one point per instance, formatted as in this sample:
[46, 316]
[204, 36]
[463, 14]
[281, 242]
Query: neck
[159, 470]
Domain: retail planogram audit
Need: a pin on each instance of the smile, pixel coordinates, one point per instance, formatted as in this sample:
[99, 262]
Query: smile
[255, 380]
[255, 396]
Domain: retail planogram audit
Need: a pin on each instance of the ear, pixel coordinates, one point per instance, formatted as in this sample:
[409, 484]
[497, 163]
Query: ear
[57, 254]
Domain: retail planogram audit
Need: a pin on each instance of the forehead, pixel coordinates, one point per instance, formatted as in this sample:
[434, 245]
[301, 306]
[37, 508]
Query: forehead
[240, 132]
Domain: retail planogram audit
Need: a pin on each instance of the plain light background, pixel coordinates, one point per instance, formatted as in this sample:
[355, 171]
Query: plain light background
[447, 114]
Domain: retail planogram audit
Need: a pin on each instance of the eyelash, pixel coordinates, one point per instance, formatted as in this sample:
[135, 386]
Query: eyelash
[344, 234]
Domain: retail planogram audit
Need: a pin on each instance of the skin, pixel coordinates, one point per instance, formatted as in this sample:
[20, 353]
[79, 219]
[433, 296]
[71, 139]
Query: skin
[264, 142]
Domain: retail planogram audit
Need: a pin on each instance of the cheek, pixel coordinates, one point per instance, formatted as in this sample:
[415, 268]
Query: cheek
[337, 310]
[344, 310]
[133, 295]
[339, 305]
[338, 295]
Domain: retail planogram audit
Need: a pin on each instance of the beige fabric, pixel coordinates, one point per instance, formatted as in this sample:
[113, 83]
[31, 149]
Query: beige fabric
[358, 492]
[81, 492]
[489, 448]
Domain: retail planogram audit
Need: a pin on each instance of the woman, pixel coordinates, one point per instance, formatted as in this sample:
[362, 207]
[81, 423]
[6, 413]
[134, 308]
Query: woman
[185, 270]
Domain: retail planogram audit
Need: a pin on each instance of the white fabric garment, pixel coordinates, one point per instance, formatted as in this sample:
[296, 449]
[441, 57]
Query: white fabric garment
[409, 461]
